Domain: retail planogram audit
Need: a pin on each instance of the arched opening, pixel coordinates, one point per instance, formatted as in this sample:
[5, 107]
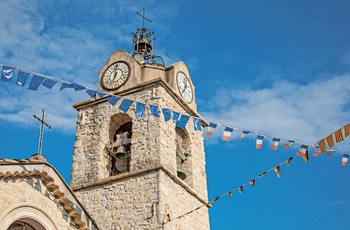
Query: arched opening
[19, 225]
[183, 153]
[27, 216]
[120, 144]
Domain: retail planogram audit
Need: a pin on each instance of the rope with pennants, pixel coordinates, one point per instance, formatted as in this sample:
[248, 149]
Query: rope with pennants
[229, 193]
[303, 152]
[8, 73]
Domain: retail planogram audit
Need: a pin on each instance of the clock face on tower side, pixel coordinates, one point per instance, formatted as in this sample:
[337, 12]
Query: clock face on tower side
[115, 75]
[184, 86]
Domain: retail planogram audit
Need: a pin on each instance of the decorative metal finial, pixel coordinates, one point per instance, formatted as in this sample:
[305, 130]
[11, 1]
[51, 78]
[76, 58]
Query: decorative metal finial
[143, 41]
[42, 123]
[143, 18]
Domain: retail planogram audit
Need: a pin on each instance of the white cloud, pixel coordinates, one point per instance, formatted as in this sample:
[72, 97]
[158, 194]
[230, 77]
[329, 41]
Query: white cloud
[304, 113]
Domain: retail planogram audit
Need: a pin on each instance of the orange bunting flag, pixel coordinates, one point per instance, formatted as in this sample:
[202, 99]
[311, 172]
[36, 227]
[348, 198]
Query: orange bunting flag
[167, 217]
[330, 141]
[339, 136]
[240, 190]
[277, 170]
[288, 161]
[347, 130]
[316, 152]
[322, 145]
[252, 182]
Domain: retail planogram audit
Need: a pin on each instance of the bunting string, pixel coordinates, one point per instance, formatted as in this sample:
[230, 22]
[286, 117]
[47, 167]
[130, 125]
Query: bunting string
[181, 120]
[229, 193]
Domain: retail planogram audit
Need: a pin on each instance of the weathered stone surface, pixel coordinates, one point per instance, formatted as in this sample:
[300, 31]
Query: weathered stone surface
[141, 197]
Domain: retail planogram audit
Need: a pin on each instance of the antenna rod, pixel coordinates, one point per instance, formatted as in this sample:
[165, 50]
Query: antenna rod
[42, 123]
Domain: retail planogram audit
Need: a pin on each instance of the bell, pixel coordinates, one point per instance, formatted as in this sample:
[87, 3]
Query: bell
[121, 153]
[180, 172]
[143, 45]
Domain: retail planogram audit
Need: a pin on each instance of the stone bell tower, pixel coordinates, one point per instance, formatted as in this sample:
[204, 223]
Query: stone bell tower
[132, 171]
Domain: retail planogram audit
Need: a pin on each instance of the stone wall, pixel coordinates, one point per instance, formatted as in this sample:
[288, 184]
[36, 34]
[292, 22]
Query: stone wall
[142, 201]
[153, 141]
[126, 201]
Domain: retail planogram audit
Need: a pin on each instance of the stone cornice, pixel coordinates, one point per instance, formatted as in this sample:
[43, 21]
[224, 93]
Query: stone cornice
[127, 175]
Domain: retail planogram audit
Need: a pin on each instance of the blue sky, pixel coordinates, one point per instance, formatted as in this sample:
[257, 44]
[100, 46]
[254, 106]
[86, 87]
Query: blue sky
[280, 68]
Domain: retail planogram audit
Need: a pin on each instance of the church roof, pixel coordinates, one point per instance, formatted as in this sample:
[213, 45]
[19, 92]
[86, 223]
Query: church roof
[54, 183]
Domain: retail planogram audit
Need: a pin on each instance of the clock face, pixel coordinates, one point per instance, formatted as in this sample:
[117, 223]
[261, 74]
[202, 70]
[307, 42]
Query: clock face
[184, 86]
[115, 75]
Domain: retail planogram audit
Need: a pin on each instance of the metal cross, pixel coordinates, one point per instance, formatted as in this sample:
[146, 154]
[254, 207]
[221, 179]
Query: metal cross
[42, 123]
[143, 18]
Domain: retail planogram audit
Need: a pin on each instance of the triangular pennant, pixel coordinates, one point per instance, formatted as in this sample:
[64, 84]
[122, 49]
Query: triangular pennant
[288, 143]
[244, 133]
[211, 128]
[101, 94]
[277, 170]
[167, 218]
[175, 116]
[197, 124]
[240, 190]
[259, 142]
[167, 114]
[113, 100]
[274, 143]
[140, 109]
[91, 92]
[347, 130]
[227, 134]
[22, 78]
[252, 182]
[305, 156]
[229, 193]
[154, 110]
[7, 73]
[182, 121]
[339, 136]
[49, 83]
[215, 199]
[125, 105]
[288, 161]
[303, 152]
[35, 82]
[322, 145]
[344, 159]
[66, 85]
[262, 174]
[78, 87]
[330, 141]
